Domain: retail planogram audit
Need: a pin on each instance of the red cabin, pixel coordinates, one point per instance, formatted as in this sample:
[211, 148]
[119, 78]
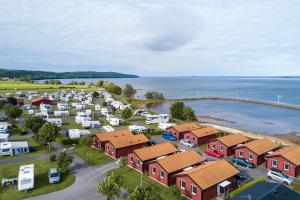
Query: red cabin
[99, 140]
[207, 181]
[164, 169]
[139, 159]
[40, 100]
[225, 145]
[122, 146]
[286, 160]
[179, 130]
[255, 151]
[201, 135]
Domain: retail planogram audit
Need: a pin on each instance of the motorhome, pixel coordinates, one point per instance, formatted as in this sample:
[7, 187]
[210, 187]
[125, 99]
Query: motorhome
[62, 106]
[4, 127]
[108, 128]
[79, 120]
[91, 124]
[164, 126]
[140, 111]
[26, 177]
[77, 133]
[56, 121]
[42, 115]
[154, 119]
[63, 113]
[137, 129]
[14, 148]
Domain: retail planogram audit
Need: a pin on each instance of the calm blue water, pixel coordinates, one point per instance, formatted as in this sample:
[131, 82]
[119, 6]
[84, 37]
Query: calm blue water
[246, 116]
[181, 87]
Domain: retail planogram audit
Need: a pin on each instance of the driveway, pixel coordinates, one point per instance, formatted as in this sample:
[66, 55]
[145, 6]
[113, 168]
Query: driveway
[85, 186]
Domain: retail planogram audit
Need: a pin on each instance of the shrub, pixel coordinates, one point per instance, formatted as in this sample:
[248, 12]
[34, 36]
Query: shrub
[52, 157]
[85, 141]
[246, 186]
[123, 162]
[67, 141]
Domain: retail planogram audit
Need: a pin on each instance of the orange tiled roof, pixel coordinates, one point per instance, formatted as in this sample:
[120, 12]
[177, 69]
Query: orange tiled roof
[260, 146]
[205, 131]
[211, 173]
[180, 161]
[233, 139]
[37, 99]
[120, 142]
[290, 153]
[115, 134]
[155, 151]
[186, 127]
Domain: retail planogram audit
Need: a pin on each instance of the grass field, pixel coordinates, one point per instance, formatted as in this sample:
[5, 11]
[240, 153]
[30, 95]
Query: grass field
[133, 179]
[42, 185]
[92, 156]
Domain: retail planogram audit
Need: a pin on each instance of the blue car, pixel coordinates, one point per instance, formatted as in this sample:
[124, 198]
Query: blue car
[240, 162]
[168, 136]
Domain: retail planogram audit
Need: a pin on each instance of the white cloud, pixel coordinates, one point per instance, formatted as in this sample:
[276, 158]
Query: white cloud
[158, 37]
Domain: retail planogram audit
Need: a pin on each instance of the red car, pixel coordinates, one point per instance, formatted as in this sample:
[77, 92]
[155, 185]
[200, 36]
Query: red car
[213, 153]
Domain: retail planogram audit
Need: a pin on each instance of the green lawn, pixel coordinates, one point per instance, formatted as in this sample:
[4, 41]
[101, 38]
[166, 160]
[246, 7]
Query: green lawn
[92, 156]
[42, 185]
[133, 179]
[203, 147]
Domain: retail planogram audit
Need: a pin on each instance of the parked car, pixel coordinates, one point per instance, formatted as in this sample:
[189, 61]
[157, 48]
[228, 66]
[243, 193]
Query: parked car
[277, 175]
[54, 176]
[169, 136]
[187, 143]
[241, 176]
[213, 153]
[240, 162]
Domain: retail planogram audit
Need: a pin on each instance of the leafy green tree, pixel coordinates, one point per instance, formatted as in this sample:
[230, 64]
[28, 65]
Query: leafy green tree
[81, 83]
[126, 113]
[47, 134]
[176, 194]
[114, 89]
[177, 109]
[95, 94]
[189, 114]
[12, 101]
[154, 95]
[144, 193]
[99, 83]
[34, 123]
[64, 161]
[13, 111]
[73, 83]
[129, 91]
[111, 187]
[104, 103]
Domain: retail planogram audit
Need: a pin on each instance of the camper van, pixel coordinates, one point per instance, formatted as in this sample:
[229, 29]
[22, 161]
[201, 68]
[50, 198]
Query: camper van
[14, 148]
[56, 121]
[108, 128]
[26, 177]
[137, 129]
[155, 119]
[164, 126]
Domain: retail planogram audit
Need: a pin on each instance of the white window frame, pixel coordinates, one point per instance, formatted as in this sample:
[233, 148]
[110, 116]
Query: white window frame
[273, 163]
[131, 159]
[107, 148]
[160, 174]
[153, 170]
[241, 154]
[286, 164]
[222, 148]
[137, 162]
[250, 155]
[193, 193]
[214, 146]
[182, 181]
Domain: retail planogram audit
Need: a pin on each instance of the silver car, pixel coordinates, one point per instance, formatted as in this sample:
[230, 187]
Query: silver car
[54, 176]
[277, 175]
[187, 143]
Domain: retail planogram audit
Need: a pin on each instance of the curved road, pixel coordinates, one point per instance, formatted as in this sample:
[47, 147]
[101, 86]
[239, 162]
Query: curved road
[85, 186]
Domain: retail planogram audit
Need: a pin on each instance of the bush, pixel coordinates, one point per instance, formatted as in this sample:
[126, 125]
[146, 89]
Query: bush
[52, 157]
[246, 186]
[67, 141]
[155, 132]
[85, 141]
[104, 104]
[123, 162]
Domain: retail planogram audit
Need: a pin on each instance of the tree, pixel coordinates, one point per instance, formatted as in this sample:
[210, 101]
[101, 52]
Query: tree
[126, 113]
[144, 193]
[12, 101]
[13, 111]
[189, 114]
[176, 194]
[95, 94]
[154, 95]
[114, 89]
[111, 186]
[129, 91]
[64, 161]
[99, 83]
[81, 83]
[34, 123]
[177, 109]
[48, 133]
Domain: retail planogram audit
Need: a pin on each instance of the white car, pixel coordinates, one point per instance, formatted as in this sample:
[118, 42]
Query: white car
[187, 143]
[277, 175]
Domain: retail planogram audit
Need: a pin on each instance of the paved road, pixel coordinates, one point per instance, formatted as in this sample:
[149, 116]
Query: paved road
[85, 186]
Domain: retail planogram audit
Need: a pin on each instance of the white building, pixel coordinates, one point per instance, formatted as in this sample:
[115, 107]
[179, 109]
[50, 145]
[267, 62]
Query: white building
[77, 133]
[14, 148]
[26, 177]
[155, 119]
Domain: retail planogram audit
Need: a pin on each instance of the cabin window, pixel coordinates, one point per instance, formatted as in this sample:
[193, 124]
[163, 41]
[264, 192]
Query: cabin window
[131, 159]
[112, 149]
[153, 170]
[286, 166]
[194, 190]
[187, 137]
[182, 184]
[107, 148]
[137, 161]
[162, 174]
[241, 154]
[250, 156]
[274, 163]
[213, 146]
[221, 148]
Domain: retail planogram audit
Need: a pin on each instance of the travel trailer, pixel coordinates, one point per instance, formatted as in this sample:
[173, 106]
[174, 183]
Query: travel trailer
[13, 148]
[47, 108]
[26, 177]
[31, 112]
[42, 115]
[154, 119]
[97, 107]
[56, 121]
[79, 120]
[137, 129]
[62, 106]
[104, 111]
[4, 137]
[63, 113]
[114, 121]
[91, 124]
[108, 128]
[77, 133]
[140, 111]
[164, 126]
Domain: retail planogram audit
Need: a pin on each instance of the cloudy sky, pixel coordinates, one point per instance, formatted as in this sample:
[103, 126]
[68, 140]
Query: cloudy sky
[152, 37]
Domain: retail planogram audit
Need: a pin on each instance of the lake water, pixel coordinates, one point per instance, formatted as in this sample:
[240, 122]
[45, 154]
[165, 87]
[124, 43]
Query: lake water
[248, 116]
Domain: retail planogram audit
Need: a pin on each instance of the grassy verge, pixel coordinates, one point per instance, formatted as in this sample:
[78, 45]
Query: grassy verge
[42, 185]
[296, 187]
[202, 147]
[133, 179]
[92, 156]
[246, 186]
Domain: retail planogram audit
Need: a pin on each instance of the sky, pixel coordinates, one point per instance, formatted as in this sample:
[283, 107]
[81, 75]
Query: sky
[152, 37]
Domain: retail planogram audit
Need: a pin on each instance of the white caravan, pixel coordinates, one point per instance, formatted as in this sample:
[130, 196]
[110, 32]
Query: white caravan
[137, 129]
[26, 177]
[164, 126]
[56, 121]
[77, 133]
[108, 128]
[97, 107]
[62, 106]
[140, 111]
[114, 121]
[4, 137]
[63, 113]
[14, 148]
[104, 111]
[155, 119]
